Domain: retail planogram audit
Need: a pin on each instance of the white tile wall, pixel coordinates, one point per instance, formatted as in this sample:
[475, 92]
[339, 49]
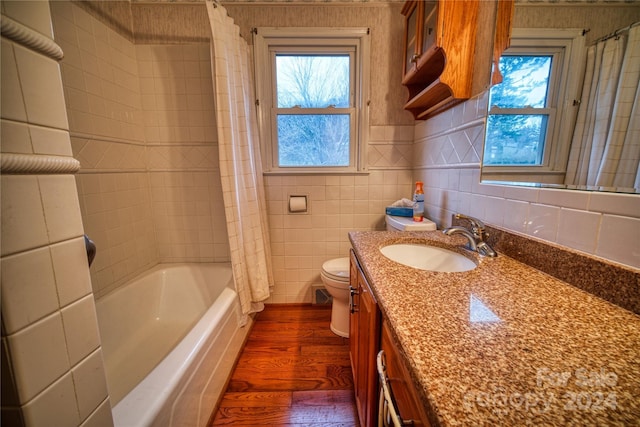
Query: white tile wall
[12, 100]
[143, 129]
[23, 222]
[72, 283]
[618, 239]
[177, 94]
[188, 214]
[46, 295]
[601, 224]
[40, 75]
[100, 76]
[91, 387]
[100, 417]
[117, 214]
[23, 138]
[390, 147]
[543, 221]
[300, 243]
[81, 329]
[34, 368]
[55, 406]
[571, 229]
[61, 207]
[28, 288]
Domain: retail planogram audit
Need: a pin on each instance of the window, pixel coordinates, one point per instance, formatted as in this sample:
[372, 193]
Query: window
[312, 89]
[532, 112]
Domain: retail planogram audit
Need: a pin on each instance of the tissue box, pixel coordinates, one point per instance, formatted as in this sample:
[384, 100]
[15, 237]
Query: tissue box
[397, 211]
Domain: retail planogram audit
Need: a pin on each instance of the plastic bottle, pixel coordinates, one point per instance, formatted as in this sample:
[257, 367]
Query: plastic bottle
[418, 202]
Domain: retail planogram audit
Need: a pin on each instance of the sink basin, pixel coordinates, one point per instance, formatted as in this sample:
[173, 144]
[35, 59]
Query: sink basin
[426, 257]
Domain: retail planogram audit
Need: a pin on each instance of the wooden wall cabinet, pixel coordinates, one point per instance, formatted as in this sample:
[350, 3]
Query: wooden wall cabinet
[364, 342]
[447, 52]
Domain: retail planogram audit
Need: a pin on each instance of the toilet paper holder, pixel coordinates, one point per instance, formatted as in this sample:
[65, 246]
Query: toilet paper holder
[298, 204]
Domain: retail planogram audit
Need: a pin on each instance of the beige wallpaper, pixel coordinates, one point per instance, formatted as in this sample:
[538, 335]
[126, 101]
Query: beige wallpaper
[116, 14]
[600, 20]
[170, 23]
[388, 96]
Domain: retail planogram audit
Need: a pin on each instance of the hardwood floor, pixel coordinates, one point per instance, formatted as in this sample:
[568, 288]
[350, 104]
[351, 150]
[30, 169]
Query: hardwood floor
[293, 371]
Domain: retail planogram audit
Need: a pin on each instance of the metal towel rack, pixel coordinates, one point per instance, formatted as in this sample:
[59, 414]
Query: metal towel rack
[387, 412]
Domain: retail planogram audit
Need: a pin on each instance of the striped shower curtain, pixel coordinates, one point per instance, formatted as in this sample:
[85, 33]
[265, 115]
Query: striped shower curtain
[605, 151]
[240, 164]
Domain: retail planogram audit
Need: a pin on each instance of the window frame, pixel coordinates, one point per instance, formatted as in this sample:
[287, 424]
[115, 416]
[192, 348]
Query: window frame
[268, 42]
[566, 46]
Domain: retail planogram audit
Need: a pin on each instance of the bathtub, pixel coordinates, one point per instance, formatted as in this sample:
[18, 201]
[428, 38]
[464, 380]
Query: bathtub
[170, 338]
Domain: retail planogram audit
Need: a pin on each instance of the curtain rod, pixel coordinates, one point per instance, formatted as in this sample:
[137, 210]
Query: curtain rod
[616, 33]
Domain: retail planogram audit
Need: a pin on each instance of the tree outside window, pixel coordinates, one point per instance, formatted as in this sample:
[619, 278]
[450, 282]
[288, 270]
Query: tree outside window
[518, 116]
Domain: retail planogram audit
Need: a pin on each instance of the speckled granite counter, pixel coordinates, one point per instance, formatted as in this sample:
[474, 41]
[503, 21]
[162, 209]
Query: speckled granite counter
[556, 356]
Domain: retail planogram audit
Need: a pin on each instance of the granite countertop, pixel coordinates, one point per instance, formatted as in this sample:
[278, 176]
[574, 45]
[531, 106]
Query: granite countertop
[505, 344]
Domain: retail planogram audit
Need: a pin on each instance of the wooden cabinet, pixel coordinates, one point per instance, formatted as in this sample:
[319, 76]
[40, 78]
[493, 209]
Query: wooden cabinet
[447, 52]
[364, 337]
[369, 333]
[408, 404]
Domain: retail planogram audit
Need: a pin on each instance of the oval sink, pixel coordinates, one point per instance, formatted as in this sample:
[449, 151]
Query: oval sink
[426, 257]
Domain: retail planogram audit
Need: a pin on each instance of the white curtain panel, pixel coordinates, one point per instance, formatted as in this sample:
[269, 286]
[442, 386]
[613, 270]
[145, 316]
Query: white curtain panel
[605, 150]
[240, 164]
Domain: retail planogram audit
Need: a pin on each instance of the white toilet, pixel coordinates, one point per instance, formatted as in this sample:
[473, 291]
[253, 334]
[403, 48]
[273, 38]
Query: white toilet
[335, 276]
[400, 223]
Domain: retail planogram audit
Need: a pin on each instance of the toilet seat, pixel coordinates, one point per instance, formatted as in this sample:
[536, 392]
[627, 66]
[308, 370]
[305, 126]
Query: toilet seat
[337, 269]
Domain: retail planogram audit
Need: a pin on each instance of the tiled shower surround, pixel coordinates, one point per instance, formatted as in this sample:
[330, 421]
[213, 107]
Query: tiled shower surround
[143, 128]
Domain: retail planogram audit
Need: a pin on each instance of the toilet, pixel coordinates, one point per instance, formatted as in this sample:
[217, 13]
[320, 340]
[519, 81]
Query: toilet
[400, 223]
[335, 276]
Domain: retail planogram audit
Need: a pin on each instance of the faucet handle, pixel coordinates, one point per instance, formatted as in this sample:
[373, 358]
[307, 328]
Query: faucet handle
[475, 222]
[477, 226]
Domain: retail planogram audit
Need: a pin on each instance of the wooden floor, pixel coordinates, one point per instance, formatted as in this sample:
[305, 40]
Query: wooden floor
[293, 371]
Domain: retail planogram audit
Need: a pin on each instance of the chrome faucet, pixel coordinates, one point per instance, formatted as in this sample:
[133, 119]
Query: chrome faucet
[456, 229]
[477, 226]
[475, 236]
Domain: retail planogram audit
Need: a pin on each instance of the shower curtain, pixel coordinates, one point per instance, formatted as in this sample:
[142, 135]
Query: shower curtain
[605, 151]
[240, 164]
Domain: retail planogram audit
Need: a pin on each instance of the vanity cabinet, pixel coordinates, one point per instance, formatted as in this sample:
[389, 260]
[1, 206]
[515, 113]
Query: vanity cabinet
[447, 52]
[364, 342]
[407, 402]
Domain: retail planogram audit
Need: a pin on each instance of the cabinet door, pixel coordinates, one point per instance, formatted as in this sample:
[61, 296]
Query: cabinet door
[364, 344]
[368, 330]
[411, 35]
[408, 404]
[428, 27]
[354, 303]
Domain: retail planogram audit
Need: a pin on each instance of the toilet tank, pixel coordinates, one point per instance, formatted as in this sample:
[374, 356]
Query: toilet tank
[400, 223]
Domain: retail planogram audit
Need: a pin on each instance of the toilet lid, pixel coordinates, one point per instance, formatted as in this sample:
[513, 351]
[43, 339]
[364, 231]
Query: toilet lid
[337, 268]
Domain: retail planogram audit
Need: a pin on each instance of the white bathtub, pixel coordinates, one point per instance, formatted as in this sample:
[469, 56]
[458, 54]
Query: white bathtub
[170, 338]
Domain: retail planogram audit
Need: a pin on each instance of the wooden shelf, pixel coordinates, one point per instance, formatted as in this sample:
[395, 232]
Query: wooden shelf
[445, 73]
